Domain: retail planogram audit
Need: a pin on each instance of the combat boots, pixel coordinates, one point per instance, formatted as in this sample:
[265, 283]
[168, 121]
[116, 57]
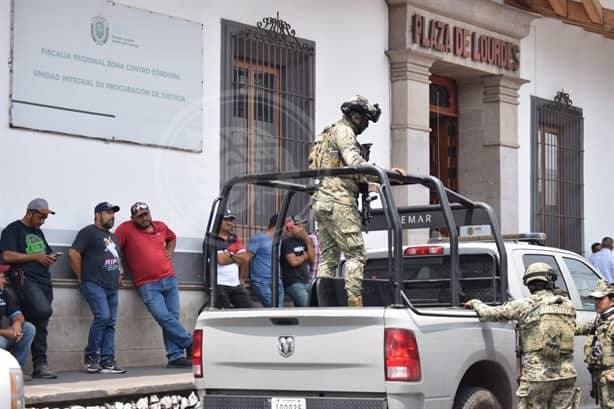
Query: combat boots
[355, 301]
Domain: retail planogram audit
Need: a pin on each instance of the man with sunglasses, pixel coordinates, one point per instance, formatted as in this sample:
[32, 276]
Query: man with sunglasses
[148, 248]
[23, 245]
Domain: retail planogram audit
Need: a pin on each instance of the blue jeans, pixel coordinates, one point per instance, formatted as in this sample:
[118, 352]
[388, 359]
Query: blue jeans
[162, 300]
[103, 303]
[263, 292]
[299, 293]
[20, 349]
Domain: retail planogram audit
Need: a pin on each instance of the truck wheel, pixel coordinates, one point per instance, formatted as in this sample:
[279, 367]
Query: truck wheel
[476, 398]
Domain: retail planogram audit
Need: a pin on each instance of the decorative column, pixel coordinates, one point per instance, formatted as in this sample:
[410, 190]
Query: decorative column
[488, 154]
[409, 144]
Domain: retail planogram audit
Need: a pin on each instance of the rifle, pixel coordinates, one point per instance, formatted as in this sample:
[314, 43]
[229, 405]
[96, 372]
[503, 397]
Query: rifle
[363, 188]
[519, 353]
[595, 371]
[594, 362]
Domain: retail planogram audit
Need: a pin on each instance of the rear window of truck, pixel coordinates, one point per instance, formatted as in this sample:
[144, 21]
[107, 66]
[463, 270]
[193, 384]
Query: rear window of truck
[426, 280]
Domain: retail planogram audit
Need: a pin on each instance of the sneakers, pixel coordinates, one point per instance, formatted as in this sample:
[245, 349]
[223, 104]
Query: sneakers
[179, 363]
[188, 351]
[91, 364]
[43, 372]
[111, 367]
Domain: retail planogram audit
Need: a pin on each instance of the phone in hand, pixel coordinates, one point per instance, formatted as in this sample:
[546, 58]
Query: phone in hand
[56, 254]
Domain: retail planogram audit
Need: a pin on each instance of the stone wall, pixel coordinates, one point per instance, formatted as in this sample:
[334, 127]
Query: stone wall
[138, 338]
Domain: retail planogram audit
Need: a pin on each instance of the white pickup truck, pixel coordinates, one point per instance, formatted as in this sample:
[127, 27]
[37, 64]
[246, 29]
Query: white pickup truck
[411, 345]
[11, 382]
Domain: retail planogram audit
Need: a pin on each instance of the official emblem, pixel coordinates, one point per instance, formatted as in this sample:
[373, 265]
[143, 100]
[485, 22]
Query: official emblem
[99, 29]
[286, 346]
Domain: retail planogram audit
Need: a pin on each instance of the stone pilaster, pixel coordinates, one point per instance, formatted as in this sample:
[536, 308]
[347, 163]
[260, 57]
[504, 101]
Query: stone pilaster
[488, 149]
[409, 147]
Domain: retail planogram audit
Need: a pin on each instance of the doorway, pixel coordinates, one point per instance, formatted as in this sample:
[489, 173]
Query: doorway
[443, 141]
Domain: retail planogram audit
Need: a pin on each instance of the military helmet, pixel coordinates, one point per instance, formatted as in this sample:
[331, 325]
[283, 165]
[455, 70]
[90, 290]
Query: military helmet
[539, 272]
[363, 107]
[602, 289]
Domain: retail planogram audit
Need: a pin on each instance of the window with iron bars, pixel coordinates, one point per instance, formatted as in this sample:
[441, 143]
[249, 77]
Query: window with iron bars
[267, 114]
[557, 133]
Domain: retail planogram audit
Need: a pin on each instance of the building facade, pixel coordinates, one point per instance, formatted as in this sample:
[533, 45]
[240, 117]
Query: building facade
[467, 94]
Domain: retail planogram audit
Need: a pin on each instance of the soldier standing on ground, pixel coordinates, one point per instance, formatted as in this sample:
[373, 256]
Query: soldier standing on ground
[546, 323]
[335, 203]
[598, 347]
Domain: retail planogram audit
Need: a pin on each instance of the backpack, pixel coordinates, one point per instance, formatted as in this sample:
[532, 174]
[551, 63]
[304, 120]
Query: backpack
[324, 149]
[549, 327]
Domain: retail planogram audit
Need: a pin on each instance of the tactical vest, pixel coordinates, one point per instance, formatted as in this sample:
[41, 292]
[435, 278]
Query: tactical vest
[598, 348]
[325, 153]
[549, 328]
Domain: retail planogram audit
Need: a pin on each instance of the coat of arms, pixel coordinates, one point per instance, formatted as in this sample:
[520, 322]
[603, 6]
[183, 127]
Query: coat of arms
[99, 29]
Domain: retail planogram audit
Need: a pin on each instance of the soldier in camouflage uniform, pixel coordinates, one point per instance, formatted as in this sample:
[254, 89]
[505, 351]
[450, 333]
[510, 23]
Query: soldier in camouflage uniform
[335, 204]
[546, 323]
[599, 347]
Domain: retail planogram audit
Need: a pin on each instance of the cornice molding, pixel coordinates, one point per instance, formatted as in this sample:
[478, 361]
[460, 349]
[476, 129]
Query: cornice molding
[487, 14]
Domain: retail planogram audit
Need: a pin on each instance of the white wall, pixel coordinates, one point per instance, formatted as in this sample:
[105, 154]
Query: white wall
[559, 56]
[75, 173]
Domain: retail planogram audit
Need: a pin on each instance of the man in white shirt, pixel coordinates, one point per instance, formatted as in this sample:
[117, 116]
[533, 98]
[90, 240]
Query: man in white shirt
[604, 259]
[232, 258]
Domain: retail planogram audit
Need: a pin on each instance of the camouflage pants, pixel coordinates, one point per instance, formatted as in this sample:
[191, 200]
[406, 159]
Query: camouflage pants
[561, 394]
[340, 231]
[606, 393]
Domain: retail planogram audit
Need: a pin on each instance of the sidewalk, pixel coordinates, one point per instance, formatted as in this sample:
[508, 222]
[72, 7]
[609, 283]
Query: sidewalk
[79, 385]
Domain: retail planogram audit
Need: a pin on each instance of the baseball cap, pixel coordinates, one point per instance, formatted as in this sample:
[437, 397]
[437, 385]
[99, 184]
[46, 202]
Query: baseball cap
[105, 207]
[228, 214]
[294, 220]
[39, 204]
[139, 208]
[602, 289]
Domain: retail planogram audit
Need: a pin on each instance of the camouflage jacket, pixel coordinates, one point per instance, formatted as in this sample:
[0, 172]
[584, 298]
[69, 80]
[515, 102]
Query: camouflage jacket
[603, 330]
[534, 367]
[342, 148]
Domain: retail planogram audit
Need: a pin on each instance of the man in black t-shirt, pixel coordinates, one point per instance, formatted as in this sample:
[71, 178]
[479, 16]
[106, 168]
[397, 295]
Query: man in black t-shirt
[96, 261]
[297, 254]
[23, 245]
[17, 338]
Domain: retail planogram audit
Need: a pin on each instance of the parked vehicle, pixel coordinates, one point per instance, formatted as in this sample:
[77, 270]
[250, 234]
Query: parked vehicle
[11, 382]
[411, 345]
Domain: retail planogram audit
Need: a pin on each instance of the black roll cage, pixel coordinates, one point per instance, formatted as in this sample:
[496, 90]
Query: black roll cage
[453, 209]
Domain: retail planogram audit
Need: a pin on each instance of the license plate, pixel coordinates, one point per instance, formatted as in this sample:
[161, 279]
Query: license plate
[288, 403]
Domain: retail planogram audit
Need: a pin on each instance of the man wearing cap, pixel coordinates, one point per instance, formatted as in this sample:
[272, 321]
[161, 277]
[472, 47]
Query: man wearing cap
[23, 245]
[96, 261]
[297, 254]
[148, 247]
[232, 265]
[598, 347]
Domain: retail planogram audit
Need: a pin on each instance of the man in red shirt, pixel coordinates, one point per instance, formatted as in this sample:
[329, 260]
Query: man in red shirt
[148, 248]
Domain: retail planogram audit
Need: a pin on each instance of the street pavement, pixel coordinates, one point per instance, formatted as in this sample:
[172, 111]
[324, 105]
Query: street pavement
[79, 385]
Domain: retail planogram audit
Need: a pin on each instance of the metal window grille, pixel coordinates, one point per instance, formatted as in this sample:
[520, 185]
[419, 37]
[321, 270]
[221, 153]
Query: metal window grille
[557, 133]
[267, 113]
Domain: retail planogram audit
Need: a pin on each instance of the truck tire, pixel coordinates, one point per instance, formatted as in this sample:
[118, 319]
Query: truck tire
[476, 398]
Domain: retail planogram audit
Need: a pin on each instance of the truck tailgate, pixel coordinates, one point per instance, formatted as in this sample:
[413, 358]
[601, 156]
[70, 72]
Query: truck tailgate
[299, 349]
